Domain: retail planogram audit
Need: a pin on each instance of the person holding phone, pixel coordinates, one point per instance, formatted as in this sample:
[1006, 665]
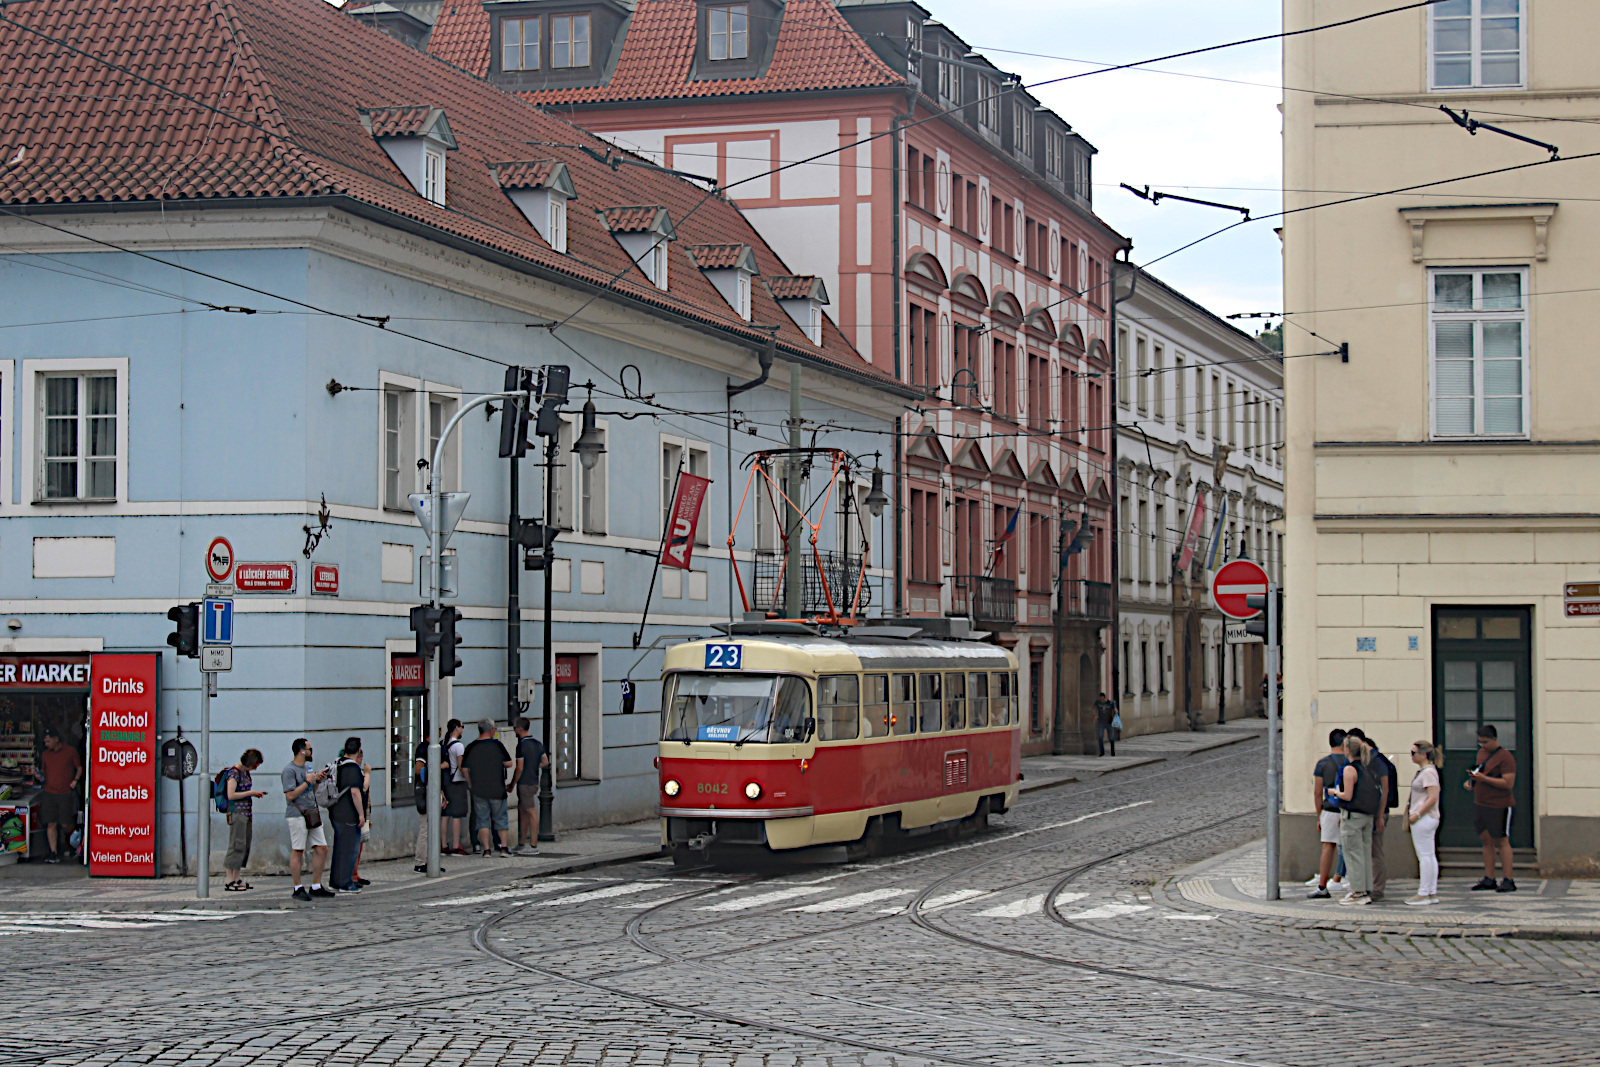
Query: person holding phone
[1490, 783]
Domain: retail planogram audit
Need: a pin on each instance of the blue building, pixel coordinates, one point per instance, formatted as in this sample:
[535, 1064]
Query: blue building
[254, 258]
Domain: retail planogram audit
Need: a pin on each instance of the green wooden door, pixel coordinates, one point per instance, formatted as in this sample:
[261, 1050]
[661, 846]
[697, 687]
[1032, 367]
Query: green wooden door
[1481, 664]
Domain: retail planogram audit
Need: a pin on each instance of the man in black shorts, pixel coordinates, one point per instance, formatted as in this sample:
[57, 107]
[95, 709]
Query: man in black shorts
[1490, 782]
[457, 797]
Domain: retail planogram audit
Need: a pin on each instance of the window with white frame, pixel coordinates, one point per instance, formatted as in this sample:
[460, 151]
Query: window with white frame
[949, 74]
[1022, 128]
[679, 455]
[581, 494]
[441, 408]
[397, 464]
[1476, 43]
[1479, 336]
[558, 223]
[77, 436]
[433, 175]
[989, 104]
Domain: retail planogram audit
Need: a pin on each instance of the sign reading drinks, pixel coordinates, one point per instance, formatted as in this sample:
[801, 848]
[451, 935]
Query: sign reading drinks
[122, 766]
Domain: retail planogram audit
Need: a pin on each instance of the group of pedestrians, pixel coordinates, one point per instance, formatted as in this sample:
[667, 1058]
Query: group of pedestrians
[1356, 786]
[476, 782]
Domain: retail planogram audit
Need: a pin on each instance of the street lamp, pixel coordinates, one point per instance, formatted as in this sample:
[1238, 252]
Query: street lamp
[590, 444]
[876, 498]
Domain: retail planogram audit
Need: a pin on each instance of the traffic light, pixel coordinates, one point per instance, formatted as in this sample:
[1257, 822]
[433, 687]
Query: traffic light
[1269, 624]
[535, 539]
[185, 637]
[425, 624]
[448, 661]
[514, 414]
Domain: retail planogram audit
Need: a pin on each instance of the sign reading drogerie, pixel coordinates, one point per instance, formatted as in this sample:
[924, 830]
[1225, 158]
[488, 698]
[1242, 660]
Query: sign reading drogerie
[122, 766]
[264, 577]
[219, 559]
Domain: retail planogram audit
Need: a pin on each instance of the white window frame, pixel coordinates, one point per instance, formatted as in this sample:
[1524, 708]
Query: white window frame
[410, 435]
[450, 395]
[698, 456]
[1477, 317]
[949, 75]
[558, 222]
[8, 433]
[34, 371]
[1475, 54]
[433, 173]
[586, 515]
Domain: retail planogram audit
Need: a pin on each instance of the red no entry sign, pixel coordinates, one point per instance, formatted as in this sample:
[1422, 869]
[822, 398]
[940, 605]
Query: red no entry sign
[1233, 583]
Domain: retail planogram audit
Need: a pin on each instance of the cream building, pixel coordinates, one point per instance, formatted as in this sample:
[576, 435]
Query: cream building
[1442, 483]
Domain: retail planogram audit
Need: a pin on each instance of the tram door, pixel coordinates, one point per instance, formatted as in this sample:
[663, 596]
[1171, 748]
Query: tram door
[567, 727]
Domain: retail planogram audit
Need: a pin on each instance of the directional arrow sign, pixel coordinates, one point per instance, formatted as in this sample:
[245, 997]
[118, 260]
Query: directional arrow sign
[1233, 583]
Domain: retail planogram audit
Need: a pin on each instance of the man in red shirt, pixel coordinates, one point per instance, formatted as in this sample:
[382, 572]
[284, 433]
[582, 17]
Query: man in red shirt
[58, 806]
[1491, 781]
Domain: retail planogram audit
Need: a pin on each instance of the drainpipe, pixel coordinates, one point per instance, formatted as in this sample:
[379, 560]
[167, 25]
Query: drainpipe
[1116, 525]
[896, 150]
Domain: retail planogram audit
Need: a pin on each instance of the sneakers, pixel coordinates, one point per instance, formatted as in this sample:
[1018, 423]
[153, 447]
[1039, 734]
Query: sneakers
[1506, 886]
[1339, 885]
[363, 881]
[422, 868]
[54, 857]
[1356, 899]
[1313, 881]
[1486, 883]
[351, 888]
[504, 851]
[302, 893]
[1318, 894]
[1421, 901]
[323, 891]
[525, 850]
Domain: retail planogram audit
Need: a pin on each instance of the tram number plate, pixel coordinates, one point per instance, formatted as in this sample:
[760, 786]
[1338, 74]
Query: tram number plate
[724, 657]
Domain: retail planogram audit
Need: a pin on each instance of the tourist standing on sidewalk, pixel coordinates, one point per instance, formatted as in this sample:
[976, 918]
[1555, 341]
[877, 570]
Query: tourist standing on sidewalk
[306, 831]
[1324, 784]
[420, 763]
[366, 827]
[455, 790]
[485, 765]
[347, 814]
[58, 802]
[1491, 781]
[1389, 798]
[1359, 804]
[1105, 713]
[531, 760]
[1423, 818]
[240, 790]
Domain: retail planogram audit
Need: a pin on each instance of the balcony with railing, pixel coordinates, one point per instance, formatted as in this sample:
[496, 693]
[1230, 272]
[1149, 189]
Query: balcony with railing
[1082, 599]
[989, 602]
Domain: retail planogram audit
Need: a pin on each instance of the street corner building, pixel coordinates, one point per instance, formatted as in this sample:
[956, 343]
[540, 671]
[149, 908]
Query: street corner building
[256, 256]
[1443, 531]
[958, 236]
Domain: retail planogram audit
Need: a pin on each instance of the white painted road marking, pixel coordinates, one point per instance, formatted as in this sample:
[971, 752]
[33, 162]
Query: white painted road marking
[508, 893]
[1110, 911]
[1016, 909]
[597, 894]
[756, 901]
[854, 901]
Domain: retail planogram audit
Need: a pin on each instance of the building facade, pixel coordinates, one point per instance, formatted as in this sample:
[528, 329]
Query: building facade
[949, 216]
[1199, 419]
[260, 331]
[1441, 481]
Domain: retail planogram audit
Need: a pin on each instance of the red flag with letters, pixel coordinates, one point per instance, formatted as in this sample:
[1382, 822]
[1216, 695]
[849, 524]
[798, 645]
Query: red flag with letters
[1191, 537]
[679, 547]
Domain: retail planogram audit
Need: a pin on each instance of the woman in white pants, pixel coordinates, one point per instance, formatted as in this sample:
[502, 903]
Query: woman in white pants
[1423, 818]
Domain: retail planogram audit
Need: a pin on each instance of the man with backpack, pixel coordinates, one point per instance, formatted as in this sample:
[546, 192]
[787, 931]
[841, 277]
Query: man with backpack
[1324, 783]
[304, 817]
[347, 813]
[1389, 795]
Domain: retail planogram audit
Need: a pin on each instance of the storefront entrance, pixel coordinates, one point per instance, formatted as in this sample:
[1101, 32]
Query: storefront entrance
[39, 694]
[408, 726]
[1481, 674]
[568, 724]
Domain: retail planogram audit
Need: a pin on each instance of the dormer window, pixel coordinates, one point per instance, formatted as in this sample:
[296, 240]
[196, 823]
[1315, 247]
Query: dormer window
[569, 41]
[416, 139]
[643, 233]
[519, 44]
[540, 189]
[728, 31]
[730, 269]
[433, 174]
[802, 299]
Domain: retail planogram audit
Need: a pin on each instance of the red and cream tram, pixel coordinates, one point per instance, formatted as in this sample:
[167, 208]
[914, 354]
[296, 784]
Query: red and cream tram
[776, 739]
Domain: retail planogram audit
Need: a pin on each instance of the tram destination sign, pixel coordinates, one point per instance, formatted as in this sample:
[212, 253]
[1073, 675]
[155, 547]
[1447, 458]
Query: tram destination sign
[1581, 600]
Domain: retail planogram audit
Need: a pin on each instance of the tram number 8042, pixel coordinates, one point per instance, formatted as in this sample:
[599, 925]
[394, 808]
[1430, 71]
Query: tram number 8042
[711, 787]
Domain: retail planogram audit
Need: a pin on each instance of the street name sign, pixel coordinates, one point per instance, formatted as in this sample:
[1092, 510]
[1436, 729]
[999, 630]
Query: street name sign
[1235, 581]
[264, 577]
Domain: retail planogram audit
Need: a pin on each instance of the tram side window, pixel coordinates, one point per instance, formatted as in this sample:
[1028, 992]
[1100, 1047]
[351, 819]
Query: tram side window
[875, 704]
[931, 699]
[1011, 701]
[978, 698]
[955, 701]
[1000, 698]
[838, 707]
[903, 704]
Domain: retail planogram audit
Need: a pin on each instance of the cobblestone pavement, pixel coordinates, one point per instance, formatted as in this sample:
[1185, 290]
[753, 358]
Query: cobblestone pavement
[1051, 939]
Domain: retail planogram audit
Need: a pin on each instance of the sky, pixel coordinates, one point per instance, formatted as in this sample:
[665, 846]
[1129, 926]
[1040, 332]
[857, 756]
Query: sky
[1188, 135]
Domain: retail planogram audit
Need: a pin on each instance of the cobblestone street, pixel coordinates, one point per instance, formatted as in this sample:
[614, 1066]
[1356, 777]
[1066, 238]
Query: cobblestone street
[1059, 936]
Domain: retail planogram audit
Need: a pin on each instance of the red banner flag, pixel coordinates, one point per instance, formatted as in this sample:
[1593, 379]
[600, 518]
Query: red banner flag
[679, 547]
[1191, 538]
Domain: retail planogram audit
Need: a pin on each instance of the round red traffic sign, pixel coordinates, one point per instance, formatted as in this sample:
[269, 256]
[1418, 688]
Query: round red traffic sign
[1233, 583]
[219, 559]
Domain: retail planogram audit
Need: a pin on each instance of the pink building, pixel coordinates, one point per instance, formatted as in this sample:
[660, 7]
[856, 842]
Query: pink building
[949, 217]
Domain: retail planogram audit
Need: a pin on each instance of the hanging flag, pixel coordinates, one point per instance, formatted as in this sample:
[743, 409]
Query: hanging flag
[1214, 552]
[679, 547]
[1191, 538]
[1003, 540]
[1075, 547]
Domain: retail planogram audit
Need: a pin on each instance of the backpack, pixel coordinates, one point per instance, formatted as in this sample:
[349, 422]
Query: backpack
[1393, 800]
[219, 791]
[328, 791]
[1329, 798]
[1365, 800]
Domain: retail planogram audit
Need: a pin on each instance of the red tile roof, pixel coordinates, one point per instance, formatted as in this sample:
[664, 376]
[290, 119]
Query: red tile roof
[531, 174]
[794, 287]
[196, 100]
[636, 219]
[816, 49]
[401, 121]
[719, 257]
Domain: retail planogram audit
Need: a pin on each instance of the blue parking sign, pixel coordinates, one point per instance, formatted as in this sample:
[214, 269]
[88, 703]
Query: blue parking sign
[216, 621]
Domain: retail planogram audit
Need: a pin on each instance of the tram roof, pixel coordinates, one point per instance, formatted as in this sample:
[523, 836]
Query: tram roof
[883, 653]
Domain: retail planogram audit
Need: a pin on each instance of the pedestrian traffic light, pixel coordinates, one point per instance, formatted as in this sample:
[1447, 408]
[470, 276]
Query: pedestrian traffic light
[425, 624]
[1268, 625]
[514, 414]
[185, 637]
[448, 661]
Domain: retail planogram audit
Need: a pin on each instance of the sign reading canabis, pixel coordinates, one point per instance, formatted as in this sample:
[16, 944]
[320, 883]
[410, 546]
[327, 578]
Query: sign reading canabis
[122, 766]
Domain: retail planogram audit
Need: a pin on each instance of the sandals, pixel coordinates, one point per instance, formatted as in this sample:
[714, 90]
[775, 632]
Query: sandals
[238, 887]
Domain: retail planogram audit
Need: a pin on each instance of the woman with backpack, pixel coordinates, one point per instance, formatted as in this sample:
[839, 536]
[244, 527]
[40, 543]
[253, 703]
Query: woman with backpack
[240, 793]
[1423, 818]
[1359, 802]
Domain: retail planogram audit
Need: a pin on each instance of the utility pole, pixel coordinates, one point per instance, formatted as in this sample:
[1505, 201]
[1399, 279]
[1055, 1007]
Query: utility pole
[207, 806]
[514, 590]
[794, 584]
[547, 795]
[1274, 763]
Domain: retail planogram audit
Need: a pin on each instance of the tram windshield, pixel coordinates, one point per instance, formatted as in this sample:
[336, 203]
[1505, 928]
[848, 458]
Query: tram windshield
[736, 707]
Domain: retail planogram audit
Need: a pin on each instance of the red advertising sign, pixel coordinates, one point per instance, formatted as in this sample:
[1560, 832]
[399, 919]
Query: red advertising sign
[325, 578]
[264, 577]
[679, 548]
[566, 670]
[1191, 537]
[406, 673]
[1233, 583]
[62, 673]
[122, 766]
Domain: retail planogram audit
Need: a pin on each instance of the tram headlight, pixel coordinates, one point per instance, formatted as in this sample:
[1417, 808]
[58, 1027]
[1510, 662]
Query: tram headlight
[671, 787]
[753, 790]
